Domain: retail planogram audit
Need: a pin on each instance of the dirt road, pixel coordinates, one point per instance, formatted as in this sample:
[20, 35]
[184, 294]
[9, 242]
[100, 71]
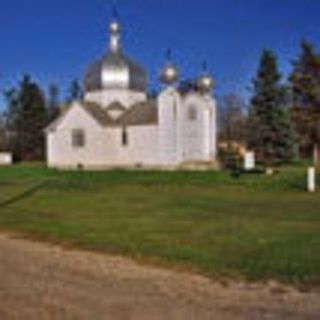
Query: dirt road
[40, 281]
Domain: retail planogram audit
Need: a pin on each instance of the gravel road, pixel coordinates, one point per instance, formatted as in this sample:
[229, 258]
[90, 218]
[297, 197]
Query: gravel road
[40, 281]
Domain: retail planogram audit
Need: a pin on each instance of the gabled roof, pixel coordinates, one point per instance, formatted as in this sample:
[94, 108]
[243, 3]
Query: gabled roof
[116, 106]
[144, 113]
[100, 115]
[54, 124]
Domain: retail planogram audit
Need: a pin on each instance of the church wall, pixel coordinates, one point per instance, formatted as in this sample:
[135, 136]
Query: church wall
[168, 104]
[213, 128]
[103, 146]
[195, 127]
[61, 153]
[126, 97]
[141, 148]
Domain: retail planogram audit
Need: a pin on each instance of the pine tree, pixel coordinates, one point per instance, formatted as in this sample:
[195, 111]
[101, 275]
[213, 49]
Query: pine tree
[26, 119]
[270, 128]
[13, 120]
[305, 89]
[53, 102]
[75, 92]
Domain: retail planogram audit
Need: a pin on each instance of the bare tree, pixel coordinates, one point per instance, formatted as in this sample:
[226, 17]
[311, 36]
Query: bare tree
[232, 119]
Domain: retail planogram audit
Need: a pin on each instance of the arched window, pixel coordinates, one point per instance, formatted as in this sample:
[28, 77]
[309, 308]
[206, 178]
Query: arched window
[192, 113]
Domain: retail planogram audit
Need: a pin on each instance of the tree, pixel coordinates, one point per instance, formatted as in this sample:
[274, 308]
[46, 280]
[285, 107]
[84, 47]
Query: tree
[75, 92]
[3, 135]
[187, 86]
[26, 119]
[270, 128]
[232, 119]
[305, 89]
[53, 102]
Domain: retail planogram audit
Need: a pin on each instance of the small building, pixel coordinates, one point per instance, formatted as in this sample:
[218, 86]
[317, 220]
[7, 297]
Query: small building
[117, 125]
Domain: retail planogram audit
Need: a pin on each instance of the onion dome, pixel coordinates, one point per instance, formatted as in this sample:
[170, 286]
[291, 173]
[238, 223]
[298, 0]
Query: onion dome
[205, 81]
[169, 74]
[115, 70]
[114, 28]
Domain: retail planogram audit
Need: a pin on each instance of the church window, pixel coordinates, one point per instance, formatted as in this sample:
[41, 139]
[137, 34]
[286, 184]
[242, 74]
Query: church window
[125, 138]
[78, 138]
[192, 113]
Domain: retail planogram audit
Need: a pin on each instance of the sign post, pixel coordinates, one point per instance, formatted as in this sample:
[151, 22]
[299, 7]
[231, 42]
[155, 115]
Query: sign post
[249, 161]
[312, 179]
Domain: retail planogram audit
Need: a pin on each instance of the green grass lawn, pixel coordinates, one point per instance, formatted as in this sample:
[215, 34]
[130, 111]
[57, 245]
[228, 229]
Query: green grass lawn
[255, 226]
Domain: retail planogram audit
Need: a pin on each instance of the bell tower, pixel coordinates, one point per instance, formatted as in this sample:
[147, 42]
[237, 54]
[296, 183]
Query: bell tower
[168, 113]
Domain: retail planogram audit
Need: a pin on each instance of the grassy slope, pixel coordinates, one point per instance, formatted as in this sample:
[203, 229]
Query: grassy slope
[259, 227]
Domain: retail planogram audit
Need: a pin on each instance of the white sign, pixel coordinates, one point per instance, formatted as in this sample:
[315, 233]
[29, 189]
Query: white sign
[249, 161]
[5, 159]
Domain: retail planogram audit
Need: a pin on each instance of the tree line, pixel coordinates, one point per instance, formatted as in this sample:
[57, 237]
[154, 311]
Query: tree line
[281, 122]
[27, 113]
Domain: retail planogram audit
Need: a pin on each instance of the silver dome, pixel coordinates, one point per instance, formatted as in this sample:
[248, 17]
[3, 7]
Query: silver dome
[205, 83]
[169, 74]
[115, 70]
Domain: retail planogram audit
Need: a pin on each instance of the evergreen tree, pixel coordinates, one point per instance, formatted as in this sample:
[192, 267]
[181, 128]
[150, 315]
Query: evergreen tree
[26, 120]
[305, 89]
[187, 86]
[13, 120]
[3, 135]
[270, 129]
[53, 102]
[75, 92]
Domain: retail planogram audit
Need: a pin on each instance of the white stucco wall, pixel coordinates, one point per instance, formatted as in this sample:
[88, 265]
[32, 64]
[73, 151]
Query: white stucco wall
[213, 136]
[192, 132]
[105, 97]
[168, 108]
[180, 138]
[141, 149]
[103, 146]
[61, 153]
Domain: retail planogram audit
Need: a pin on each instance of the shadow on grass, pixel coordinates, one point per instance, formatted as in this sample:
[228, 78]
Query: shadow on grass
[25, 194]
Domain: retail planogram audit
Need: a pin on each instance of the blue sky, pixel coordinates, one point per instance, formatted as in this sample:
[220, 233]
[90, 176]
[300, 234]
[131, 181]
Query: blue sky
[53, 40]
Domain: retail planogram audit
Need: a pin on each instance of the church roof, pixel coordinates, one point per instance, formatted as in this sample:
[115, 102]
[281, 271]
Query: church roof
[116, 106]
[100, 115]
[144, 113]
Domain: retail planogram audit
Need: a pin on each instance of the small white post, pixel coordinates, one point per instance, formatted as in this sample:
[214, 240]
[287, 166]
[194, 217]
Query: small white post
[249, 161]
[312, 179]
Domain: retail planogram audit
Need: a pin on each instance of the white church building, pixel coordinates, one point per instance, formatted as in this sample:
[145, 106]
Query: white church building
[118, 126]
